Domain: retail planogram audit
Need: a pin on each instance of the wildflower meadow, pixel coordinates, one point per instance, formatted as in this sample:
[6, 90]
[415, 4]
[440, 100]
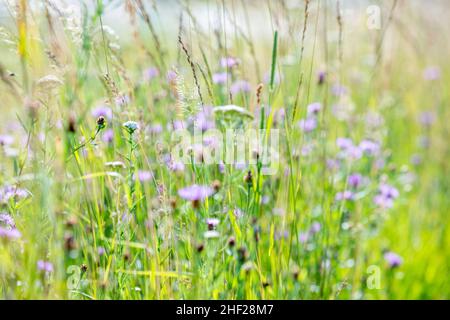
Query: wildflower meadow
[232, 149]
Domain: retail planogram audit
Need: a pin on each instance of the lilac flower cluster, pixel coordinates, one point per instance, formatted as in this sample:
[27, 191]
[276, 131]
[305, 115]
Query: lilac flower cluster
[8, 228]
[45, 266]
[195, 192]
[386, 196]
[12, 192]
[393, 259]
[310, 122]
[355, 152]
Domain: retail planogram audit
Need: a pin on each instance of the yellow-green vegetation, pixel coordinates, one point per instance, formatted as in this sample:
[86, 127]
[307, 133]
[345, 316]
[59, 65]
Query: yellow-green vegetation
[94, 204]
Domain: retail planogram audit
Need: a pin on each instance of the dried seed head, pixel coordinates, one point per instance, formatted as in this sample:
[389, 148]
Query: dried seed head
[200, 247]
[231, 242]
[71, 127]
[127, 256]
[69, 242]
[216, 185]
[101, 122]
[248, 178]
[173, 203]
[242, 254]
[259, 93]
[83, 268]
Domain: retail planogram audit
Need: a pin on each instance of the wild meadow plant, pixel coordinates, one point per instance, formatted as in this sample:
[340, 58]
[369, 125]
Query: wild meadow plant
[224, 150]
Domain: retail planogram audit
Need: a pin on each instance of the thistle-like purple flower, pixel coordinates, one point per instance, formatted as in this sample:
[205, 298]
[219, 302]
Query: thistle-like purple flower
[240, 86]
[314, 108]
[307, 125]
[45, 266]
[229, 62]
[344, 143]
[7, 220]
[220, 78]
[155, 128]
[12, 192]
[6, 140]
[108, 136]
[150, 73]
[122, 100]
[195, 193]
[338, 90]
[9, 233]
[144, 176]
[321, 76]
[171, 76]
[345, 195]
[369, 147]
[432, 73]
[204, 119]
[393, 259]
[427, 118]
[354, 180]
[102, 111]
[315, 228]
[212, 223]
[386, 196]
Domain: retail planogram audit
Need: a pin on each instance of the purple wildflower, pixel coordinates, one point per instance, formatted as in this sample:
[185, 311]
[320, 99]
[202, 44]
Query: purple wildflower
[393, 259]
[204, 119]
[238, 213]
[303, 237]
[344, 143]
[315, 227]
[307, 149]
[427, 118]
[212, 223]
[307, 125]
[45, 266]
[195, 193]
[122, 100]
[321, 76]
[171, 76]
[102, 111]
[144, 176]
[354, 180]
[12, 192]
[6, 140]
[101, 251]
[176, 166]
[276, 79]
[7, 220]
[338, 90]
[177, 125]
[220, 78]
[150, 73]
[388, 191]
[9, 233]
[155, 128]
[432, 73]
[108, 136]
[354, 153]
[346, 195]
[314, 108]
[240, 86]
[369, 147]
[333, 164]
[280, 115]
[229, 62]
[386, 196]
